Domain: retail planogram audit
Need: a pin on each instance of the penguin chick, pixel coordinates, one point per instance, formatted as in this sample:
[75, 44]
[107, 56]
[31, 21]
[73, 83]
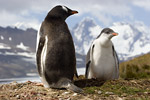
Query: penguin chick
[55, 55]
[102, 61]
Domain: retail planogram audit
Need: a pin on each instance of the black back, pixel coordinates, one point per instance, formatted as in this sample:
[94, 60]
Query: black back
[60, 57]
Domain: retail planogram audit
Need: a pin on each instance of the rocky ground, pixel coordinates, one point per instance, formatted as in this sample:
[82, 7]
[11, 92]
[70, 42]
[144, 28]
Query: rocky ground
[93, 90]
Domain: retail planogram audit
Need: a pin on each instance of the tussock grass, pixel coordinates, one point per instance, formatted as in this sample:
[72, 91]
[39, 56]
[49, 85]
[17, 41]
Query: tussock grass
[136, 68]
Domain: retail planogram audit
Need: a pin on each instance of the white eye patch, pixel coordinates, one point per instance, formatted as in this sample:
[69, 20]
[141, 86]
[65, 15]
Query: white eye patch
[64, 8]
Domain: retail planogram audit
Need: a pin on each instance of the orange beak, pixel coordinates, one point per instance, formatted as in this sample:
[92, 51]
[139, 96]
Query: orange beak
[74, 12]
[115, 34]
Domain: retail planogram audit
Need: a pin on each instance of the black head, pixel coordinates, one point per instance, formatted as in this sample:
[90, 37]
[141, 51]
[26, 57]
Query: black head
[61, 12]
[108, 32]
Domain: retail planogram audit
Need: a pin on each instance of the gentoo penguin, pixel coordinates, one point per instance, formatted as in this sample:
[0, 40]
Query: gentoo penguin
[55, 55]
[102, 61]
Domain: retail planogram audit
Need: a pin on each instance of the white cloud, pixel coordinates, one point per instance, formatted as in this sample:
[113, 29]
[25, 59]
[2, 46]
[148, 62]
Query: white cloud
[142, 3]
[11, 19]
[22, 11]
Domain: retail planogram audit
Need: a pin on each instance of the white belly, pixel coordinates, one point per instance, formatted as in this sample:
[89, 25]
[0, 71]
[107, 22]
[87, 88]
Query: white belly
[103, 64]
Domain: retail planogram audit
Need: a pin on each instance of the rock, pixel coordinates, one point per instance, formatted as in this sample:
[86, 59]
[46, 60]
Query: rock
[109, 93]
[18, 96]
[14, 83]
[99, 92]
[65, 93]
[118, 98]
[75, 94]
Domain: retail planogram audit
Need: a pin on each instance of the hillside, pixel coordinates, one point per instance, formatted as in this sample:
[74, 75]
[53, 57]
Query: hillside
[138, 67]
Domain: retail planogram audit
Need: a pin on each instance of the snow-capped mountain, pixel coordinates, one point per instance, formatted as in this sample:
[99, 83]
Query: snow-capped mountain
[18, 39]
[133, 39]
[83, 34]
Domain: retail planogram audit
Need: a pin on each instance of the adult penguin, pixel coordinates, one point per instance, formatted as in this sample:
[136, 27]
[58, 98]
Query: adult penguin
[102, 61]
[55, 52]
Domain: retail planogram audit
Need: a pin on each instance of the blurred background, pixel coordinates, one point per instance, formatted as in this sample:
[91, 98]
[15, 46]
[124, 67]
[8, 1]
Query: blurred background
[21, 19]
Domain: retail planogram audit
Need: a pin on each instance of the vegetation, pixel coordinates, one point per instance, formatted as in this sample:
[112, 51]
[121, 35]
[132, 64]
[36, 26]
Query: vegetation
[136, 68]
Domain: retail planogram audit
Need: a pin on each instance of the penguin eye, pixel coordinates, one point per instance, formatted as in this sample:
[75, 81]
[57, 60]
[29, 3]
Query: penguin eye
[107, 32]
[64, 8]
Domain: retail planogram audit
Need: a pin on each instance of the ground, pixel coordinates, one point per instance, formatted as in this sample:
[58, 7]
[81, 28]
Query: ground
[93, 90]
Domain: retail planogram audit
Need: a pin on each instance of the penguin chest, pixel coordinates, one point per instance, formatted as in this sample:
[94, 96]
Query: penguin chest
[103, 62]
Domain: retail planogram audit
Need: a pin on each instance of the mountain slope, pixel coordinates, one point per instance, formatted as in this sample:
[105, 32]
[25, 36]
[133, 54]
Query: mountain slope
[14, 36]
[17, 52]
[132, 39]
[138, 67]
[83, 35]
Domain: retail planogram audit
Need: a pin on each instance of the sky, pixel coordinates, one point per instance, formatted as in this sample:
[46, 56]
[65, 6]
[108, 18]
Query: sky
[31, 13]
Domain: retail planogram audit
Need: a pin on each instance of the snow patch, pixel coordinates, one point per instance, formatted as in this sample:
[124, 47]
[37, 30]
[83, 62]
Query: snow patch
[23, 25]
[80, 59]
[95, 31]
[10, 39]
[2, 38]
[4, 46]
[22, 46]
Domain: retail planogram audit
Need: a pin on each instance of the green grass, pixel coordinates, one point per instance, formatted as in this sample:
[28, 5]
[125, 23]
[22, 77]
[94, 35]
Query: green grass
[91, 90]
[137, 68]
[118, 87]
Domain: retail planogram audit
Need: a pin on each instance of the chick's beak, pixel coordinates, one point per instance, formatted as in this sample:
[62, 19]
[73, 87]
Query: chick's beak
[115, 34]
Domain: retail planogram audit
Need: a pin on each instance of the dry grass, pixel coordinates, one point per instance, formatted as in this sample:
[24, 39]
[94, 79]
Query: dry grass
[136, 68]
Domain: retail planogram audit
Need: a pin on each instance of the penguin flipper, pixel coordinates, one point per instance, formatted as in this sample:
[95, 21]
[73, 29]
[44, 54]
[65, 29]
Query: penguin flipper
[116, 56]
[38, 54]
[116, 60]
[87, 69]
[89, 60]
[76, 74]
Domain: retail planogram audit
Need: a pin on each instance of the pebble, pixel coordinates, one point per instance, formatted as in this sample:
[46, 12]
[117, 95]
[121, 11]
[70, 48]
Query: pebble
[14, 83]
[118, 98]
[75, 94]
[99, 92]
[133, 81]
[124, 95]
[145, 92]
[65, 93]
[18, 96]
[109, 93]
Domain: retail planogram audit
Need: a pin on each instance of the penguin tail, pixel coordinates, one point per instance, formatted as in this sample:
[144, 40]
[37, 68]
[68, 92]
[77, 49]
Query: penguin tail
[74, 88]
[67, 84]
